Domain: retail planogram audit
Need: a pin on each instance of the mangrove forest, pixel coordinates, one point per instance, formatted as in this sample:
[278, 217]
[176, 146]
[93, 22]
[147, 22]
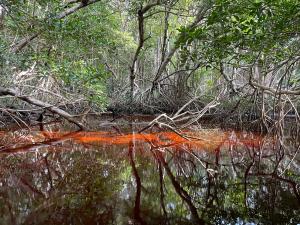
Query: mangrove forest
[150, 112]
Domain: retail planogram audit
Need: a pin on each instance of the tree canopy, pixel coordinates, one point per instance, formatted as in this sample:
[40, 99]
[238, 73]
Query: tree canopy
[153, 56]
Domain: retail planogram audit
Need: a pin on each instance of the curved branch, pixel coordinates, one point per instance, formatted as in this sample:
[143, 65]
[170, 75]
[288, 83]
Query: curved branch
[36, 102]
[274, 91]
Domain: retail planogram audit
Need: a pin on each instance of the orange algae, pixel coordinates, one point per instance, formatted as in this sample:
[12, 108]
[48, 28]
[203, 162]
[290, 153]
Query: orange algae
[118, 139]
[159, 139]
[205, 139]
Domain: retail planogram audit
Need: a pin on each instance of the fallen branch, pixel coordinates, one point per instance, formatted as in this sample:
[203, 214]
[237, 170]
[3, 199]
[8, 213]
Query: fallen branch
[36, 102]
[34, 146]
[199, 114]
[191, 119]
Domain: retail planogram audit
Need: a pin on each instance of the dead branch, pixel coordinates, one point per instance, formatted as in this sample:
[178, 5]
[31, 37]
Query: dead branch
[36, 102]
[191, 119]
[274, 91]
[37, 145]
[195, 118]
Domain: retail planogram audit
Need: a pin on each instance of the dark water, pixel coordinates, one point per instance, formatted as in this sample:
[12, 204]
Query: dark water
[117, 176]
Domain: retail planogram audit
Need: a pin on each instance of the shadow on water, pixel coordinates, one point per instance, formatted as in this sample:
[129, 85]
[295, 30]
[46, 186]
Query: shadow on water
[118, 176]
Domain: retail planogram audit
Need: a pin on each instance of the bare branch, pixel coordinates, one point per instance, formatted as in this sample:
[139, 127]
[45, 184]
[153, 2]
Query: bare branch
[274, 91]
[36, 102]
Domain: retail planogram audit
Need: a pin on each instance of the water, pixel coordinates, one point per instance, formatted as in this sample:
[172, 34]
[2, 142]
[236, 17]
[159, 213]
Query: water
[117, 176]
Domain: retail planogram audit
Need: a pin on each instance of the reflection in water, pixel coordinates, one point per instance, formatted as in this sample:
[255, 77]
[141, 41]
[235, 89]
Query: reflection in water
[106, 177]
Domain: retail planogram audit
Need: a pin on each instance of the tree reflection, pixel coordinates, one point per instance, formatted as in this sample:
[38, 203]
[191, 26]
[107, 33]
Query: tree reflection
[58, 178]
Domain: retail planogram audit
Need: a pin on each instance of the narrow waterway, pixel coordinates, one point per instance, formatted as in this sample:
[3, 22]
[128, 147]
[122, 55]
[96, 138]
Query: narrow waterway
[115, 175]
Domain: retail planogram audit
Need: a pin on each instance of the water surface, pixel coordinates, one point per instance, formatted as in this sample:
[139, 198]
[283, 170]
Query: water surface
[116, 175]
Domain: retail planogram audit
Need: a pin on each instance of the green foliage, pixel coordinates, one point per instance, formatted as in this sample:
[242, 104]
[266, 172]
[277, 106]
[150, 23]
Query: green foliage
[73, 49]
[78, 48]
[250, 26]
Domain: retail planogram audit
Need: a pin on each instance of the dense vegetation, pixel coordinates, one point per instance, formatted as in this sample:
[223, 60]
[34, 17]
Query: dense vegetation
[150, 56]
[189, 62]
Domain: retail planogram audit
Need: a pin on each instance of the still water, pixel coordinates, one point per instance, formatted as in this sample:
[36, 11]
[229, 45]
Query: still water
[116, 175]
